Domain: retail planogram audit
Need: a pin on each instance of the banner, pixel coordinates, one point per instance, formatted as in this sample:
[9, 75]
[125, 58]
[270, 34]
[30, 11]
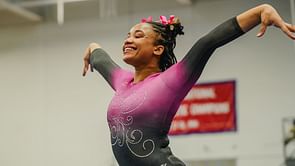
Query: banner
[208, 107]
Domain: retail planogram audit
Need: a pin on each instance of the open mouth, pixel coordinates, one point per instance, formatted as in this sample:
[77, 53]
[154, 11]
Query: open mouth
[129, 49]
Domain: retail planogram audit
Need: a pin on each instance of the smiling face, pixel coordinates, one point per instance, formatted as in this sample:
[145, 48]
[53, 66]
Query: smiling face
[139, 47]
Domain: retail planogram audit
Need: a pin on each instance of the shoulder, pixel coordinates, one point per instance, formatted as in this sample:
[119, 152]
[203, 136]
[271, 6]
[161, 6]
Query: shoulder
[121, 77]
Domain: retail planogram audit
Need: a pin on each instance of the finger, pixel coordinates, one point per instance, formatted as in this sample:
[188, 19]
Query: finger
[86, 66]
[287, 29]
[83, 73]
[290, 27]
[288, 32]
[86, 61]
[85, 69]
[262, 30]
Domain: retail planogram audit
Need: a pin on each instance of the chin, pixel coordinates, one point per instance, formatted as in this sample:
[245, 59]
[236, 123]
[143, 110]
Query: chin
[127, 59]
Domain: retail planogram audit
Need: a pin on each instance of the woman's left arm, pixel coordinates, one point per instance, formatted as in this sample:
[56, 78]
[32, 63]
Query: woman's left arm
[193, 63]
[267, 16]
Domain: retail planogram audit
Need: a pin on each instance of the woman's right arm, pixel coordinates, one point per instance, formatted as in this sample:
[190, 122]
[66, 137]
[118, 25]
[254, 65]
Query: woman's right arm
[95, 57]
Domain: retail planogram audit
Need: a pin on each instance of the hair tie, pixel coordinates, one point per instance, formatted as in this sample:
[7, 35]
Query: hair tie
[149, 19]
[164, 21]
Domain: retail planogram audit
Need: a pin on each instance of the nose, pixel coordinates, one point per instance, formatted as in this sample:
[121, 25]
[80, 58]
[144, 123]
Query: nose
[128, 40]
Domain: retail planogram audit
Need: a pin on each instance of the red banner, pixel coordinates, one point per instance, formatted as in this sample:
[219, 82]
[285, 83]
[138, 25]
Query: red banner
[208, 107]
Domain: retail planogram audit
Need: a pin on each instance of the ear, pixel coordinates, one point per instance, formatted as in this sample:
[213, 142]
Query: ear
[158, 50]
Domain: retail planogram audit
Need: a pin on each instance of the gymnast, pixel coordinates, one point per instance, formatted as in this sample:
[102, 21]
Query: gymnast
[146, 100]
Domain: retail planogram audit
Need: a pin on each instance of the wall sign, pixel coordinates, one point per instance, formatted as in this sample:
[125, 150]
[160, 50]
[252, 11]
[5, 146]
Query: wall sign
[208, 107]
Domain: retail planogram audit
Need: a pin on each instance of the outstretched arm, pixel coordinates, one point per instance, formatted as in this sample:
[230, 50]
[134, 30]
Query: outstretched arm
[95, 57]
[86, 58]
[267, 16]
[196, 59]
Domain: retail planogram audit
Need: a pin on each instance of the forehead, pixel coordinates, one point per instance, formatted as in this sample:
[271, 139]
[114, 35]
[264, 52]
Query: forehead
[142, 27]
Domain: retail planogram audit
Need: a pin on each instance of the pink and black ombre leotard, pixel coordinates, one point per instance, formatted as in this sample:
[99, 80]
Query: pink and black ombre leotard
[140, 114]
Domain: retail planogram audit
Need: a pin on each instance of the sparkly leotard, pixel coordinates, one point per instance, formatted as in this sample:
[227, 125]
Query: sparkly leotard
[140, 114]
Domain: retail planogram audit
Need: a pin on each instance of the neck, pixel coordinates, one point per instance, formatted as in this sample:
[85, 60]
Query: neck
[142, 73]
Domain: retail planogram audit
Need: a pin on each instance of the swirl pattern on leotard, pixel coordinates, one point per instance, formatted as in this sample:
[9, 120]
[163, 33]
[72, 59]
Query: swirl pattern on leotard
[122, 128]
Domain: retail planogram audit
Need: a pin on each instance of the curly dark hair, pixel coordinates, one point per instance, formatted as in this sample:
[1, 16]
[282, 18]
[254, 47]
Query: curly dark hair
[167, 37]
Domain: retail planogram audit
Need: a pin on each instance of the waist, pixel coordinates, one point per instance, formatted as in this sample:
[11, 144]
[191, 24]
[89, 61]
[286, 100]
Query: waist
[145, 154]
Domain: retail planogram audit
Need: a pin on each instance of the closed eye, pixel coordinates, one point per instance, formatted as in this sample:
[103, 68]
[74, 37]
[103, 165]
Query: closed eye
[139, 34]
[136, 34]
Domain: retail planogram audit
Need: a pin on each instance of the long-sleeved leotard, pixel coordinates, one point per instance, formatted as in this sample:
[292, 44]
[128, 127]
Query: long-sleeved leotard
[140, 114]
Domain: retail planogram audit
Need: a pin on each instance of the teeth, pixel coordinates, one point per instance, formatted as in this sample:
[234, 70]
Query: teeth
[128, 49]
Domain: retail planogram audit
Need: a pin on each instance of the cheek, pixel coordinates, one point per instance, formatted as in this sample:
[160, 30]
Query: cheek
[146, 53]
[147, 46]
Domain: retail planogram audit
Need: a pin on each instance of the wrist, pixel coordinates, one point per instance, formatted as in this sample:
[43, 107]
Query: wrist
[266, 6]
[93, 46]
[266, 9]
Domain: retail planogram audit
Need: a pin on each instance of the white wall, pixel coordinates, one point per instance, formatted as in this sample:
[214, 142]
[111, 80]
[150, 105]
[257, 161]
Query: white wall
[51, 115]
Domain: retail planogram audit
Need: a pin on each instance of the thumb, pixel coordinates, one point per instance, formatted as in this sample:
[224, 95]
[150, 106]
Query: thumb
[262, 30]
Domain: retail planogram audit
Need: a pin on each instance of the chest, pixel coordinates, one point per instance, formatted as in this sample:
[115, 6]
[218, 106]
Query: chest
[146, 101]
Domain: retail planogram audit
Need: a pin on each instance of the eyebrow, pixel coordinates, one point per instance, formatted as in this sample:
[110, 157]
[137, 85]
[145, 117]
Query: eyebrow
[136, 31]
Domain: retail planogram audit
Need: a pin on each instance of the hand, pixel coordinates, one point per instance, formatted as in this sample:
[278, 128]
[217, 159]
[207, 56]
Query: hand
[269, 16]
[86, 58]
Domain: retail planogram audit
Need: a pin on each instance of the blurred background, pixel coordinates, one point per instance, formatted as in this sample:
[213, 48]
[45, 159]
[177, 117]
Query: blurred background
[51, 115]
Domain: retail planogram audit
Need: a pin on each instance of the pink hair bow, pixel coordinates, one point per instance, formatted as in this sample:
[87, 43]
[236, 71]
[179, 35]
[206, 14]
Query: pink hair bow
[149, 19]
[164, 20]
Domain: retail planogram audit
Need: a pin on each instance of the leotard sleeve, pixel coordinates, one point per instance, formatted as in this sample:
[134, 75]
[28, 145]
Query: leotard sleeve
[185, 73]
[112, 73]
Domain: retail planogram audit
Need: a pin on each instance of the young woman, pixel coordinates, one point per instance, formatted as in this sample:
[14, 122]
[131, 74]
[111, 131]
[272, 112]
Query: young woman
[146, 100]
